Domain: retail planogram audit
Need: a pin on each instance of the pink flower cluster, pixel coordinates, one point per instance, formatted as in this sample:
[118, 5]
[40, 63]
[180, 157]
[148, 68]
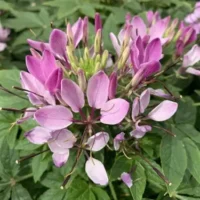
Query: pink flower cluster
[93, 91]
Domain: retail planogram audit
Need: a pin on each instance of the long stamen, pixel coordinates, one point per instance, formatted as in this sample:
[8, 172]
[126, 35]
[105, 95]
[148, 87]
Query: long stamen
[16, 110]
[167, 131]
[25, 90]
[30, 156]
[12, 93]
[156, 170]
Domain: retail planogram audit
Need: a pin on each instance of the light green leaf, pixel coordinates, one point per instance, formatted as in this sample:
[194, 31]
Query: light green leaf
[193, 155]
[9, 78]
[121, 164]
[139, 183]
[20, 193]
[174, 160]
[88, 10]
[5, 194]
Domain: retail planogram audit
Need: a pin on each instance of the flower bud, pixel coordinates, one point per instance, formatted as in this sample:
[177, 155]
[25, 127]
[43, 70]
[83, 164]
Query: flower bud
[124, 57]
[97, 42]
[81, 79]
[104, 58]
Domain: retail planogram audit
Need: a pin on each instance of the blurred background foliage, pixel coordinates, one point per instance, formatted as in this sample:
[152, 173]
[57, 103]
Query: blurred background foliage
[38, 178]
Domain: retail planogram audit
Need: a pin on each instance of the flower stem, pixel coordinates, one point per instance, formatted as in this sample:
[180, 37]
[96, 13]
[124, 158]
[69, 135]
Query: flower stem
[24, 177]
[112, 190]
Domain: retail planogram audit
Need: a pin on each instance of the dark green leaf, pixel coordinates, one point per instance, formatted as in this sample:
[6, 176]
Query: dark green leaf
[139, 183]
[193, 155]
[174, 160]
[20, 193]
[121, 164]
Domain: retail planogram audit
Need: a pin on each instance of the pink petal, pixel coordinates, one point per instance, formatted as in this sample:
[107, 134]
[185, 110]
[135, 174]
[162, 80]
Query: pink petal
[126, 178]
[112, 85]
[58, 42]
[135, 108]
[115, 43]
[77, 30]
[38, 135]
[96, 171]
[27, 115]
[153, 51]
[163, 111]
[114, 111]
[72, 95]
[159, 93]
[98, 22]
[193, 71]
[60, 159]
[97, 90]
[54, 117]
[63, 138]
[144, 100]
[33, 65]
[139, 27]
[2, 46]
[98, 141]
[192, 56]
[48, 63]
[53, 83]
[40, 46]
[117, 140]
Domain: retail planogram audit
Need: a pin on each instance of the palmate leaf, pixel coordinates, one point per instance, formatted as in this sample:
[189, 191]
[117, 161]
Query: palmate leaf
[193, 155]
[139, 183]
[9, 78]
[174, 160]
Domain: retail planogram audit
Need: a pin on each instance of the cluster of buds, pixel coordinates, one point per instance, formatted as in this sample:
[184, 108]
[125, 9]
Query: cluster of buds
[69, 89]
[4, 32]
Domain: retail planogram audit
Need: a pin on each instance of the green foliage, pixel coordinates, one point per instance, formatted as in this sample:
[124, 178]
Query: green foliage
[170, 158]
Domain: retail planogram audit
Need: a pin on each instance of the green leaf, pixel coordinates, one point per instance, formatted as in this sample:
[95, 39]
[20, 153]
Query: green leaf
[109, 25]
[65, 8]
[20, 193]
[139, 183]
[9, 78]
[152, 176]
[100, 193]
[5, 194]
[193, 158]
[80, 190]
[24, 144]
[186, 112]
[8, 159]
[24, 20]
[88, 10]
[190, 131]
[55, 193]
[121, 164]
[6, 120]
[39, 165]
[174, 160]
[6, 6]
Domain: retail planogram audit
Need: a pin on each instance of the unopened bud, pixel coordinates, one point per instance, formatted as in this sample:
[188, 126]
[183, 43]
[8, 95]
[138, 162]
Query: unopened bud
[81, 79]
[97, 58]
[97, 42]
[85, 30]
[124, 57]
[97, 66]
[86, 54]
[104, 58]
[70, 37]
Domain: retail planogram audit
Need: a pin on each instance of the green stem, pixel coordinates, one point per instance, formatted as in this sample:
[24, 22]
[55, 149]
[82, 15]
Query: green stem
[24, 177]
[112, 191]
[132, 194]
